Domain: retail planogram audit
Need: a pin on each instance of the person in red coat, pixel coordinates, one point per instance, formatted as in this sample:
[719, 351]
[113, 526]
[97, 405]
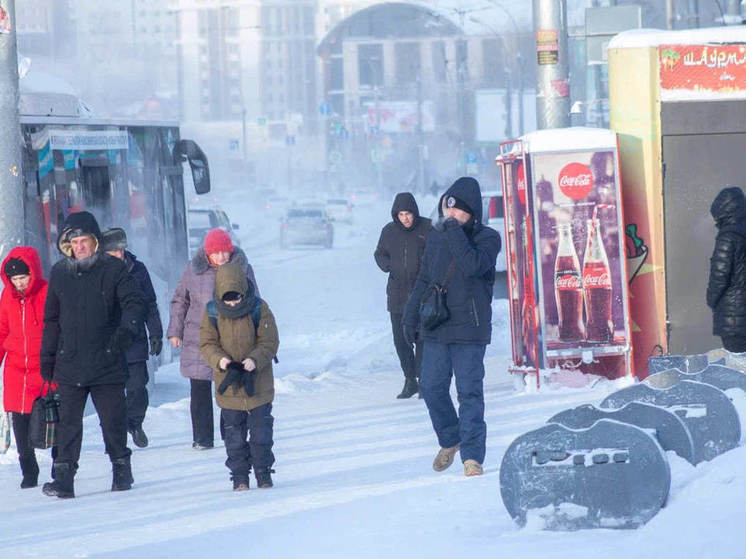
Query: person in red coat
[21, 324]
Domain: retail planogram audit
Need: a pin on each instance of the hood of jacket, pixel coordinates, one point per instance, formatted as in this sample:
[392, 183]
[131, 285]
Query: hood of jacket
[404, 202]
[200, 263]
[729, 207]
[31, 258]
[76, 224]
[230, 277]
[467, 189]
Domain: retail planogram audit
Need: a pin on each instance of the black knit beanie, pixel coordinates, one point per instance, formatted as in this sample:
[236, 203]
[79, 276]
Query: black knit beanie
[16, 267]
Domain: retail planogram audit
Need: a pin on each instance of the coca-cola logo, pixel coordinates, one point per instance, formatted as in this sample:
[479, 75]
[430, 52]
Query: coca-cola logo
[567, 282]
[575, 180]
[596, 279]
[521, 184]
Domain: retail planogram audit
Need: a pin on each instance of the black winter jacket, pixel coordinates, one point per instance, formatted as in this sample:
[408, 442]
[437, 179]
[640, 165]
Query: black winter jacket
[87, 302]
[473, 248]
[726, 290]
[399, 251]
[138, 351]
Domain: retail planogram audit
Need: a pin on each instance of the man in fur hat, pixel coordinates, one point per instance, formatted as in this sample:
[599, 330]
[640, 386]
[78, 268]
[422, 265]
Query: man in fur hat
[115, 244]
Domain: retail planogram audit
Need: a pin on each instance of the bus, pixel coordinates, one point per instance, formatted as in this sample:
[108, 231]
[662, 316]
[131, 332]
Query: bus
[128, 173]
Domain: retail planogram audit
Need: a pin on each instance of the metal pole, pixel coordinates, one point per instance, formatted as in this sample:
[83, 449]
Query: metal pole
[552, 75]
[11, 184]
[520, 93]
[508, 105]
[670, 13]
[420, 138]
[693, 13]
[733, 14]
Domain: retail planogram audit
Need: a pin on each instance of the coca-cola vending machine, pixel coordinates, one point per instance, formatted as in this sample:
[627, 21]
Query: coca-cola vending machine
[564, 232]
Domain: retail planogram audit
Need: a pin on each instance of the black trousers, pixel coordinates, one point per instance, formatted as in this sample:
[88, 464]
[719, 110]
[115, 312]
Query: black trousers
[410, 360]
[200, 405]
[26, 453]
[257, 450]
[20, 431]
[137, 393]
[111, 407]
[734, 344]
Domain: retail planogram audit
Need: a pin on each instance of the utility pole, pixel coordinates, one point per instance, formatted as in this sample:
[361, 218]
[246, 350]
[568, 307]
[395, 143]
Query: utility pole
[693, 14]
[11, 184]
[552, 75]
[733, 13]
[420, 138]
[670, 14]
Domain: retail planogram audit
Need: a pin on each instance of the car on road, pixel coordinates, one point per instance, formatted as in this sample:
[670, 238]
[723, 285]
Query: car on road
[306, 225]
[201, 220]
[363, 196]
[339, 209]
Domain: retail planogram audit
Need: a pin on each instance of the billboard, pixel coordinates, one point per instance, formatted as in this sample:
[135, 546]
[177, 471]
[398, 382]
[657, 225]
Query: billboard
[582, 277]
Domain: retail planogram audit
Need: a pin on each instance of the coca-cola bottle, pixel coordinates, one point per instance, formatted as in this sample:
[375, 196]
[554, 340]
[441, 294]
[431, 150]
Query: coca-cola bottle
[568, 290]
[597, 286]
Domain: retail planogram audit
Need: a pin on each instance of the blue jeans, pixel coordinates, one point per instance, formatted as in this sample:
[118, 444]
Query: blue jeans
[466, 362]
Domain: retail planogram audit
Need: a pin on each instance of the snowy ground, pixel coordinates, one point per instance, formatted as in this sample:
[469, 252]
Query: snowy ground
[354, 473]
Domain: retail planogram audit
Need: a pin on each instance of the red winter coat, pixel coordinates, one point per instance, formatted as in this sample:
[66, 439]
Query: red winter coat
[21, 324]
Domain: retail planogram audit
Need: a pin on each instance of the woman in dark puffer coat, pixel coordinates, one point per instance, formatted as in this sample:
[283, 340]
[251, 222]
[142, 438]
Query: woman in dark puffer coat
[726, 290]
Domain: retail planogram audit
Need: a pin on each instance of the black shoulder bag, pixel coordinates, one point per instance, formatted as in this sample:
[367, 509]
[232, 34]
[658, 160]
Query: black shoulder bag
[433, 308]
[44, 418]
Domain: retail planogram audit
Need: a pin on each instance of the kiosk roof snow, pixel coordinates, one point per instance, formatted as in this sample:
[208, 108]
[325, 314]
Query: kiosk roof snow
[569, 139]
[641, 38]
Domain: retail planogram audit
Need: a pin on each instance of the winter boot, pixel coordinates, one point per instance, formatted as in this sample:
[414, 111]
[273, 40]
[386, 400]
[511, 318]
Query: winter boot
[264, 478]
[139, 437]
[444, 458]
[410, 389]
[472, 468]
[30, 471]
[122, 479]
[240, 482]
[63, 484]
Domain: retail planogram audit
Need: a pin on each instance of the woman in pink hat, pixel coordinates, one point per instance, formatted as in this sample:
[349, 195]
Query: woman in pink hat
[194, 290]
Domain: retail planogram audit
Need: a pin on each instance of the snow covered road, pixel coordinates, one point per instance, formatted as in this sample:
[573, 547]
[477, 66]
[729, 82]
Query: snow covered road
[354, 473]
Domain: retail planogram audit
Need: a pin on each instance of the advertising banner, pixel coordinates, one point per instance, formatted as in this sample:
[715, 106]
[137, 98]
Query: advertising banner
[580, 253]
[520, 267]
[88, 139]
[702, 71]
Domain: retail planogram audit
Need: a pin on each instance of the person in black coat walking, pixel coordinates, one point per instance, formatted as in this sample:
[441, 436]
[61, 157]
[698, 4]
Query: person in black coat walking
[92, 313]
[399, 253]
[460, 255]
[726, 290]
[114, 243]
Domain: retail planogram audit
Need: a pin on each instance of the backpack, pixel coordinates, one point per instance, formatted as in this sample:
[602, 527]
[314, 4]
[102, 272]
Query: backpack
[256, 314]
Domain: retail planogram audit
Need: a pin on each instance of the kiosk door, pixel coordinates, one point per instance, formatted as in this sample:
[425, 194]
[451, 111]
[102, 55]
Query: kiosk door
[704, 150]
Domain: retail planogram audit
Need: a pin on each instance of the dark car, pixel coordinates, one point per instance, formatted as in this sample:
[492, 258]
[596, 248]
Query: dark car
[306, 225]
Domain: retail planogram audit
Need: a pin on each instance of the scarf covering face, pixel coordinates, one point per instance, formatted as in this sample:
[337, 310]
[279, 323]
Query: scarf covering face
[230, 277]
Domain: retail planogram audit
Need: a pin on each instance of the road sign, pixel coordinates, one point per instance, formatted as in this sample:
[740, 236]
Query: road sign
[325, 109]
[233, 144]
[289, 140]
[261, 121]
[472, 157]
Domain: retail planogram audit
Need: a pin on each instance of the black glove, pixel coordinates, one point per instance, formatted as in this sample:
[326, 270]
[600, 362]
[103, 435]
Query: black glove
[156, 345]
[248, 383]
[234, 372]
[47, 370]
[121, 339]
[410, 334]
